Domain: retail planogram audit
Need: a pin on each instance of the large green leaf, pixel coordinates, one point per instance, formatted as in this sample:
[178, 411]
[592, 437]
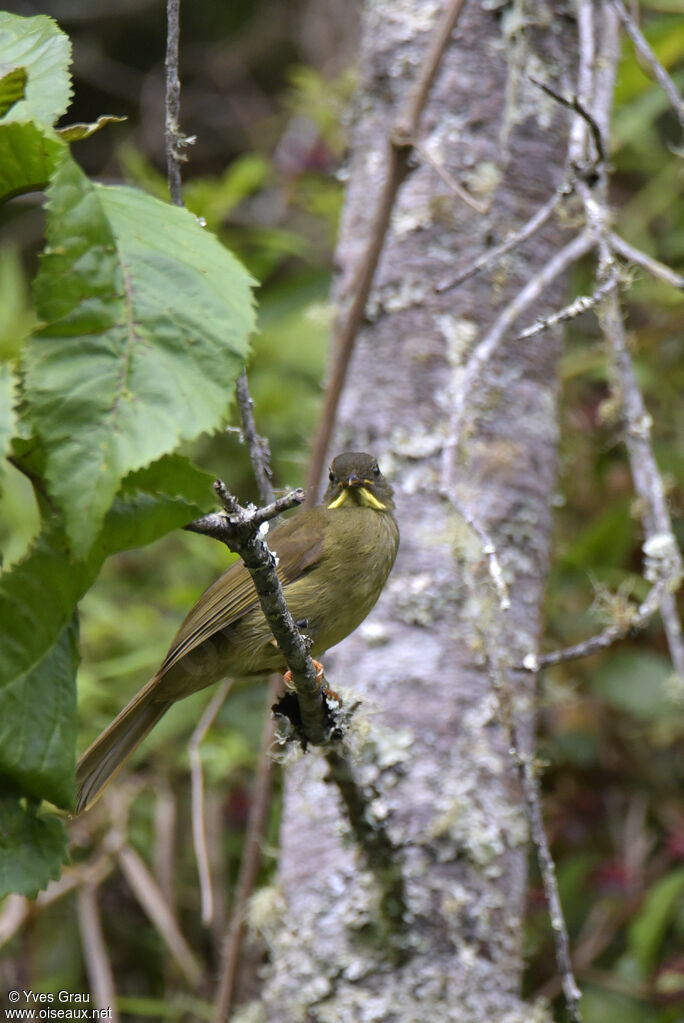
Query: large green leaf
[148, 319]
[32, 848]
[28, 157]
[39, 47]
[38, 647]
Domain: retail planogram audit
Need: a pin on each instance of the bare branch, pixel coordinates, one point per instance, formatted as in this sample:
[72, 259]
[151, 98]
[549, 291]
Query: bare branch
[249, 867]
[571, 311]
[259, 451]
[579, 108]
[199, 839]
[525, 767]
[398, 151]
[642, 259]
[648, 56]
[530, 785]
[174, 139]
[486, 348]
[98, 966]
[512, 241]
[638, 619]
[648, 482]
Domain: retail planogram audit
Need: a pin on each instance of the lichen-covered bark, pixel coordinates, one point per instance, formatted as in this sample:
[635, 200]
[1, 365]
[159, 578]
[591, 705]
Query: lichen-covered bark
[428, 736]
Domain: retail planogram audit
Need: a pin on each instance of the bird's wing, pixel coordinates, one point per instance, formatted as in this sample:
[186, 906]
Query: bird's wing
[298, 546]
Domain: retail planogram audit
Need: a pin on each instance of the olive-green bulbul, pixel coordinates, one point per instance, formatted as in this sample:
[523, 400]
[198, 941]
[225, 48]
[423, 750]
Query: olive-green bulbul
[333, 561]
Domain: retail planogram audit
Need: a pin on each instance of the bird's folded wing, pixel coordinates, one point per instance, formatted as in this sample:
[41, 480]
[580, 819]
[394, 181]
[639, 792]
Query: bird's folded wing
[298, 546]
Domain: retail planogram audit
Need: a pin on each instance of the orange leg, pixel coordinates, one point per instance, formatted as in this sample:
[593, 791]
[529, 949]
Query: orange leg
[287, 677]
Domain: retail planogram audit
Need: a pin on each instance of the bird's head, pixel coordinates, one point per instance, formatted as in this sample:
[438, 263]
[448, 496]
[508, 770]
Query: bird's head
[355, 477]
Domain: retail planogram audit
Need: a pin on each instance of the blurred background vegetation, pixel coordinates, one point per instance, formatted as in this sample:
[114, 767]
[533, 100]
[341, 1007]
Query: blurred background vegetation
[266, 90]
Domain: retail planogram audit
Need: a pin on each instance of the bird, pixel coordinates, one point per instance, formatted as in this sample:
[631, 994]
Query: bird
[333, 561]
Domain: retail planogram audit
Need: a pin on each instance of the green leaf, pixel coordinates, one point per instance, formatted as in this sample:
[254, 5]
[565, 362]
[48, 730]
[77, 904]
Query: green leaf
[76, 132]
[12, 88]
[153, 501]
[43, 51]
[148, 319]
[38, 660]
[648, 929]
[32, 849]
[7, 388]
[28, 157]
[38, 645]
[17, 318]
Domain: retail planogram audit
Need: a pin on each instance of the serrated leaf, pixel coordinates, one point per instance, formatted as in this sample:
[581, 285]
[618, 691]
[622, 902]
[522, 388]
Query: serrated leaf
[76, 132]
[28, 157]
[39, 46]
[32, 849]
[12, 88]
[148, 324]
[7, 390]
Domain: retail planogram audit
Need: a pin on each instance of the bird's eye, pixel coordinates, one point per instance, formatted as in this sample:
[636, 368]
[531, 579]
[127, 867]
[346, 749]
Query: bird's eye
[331, 475]
[376, 470]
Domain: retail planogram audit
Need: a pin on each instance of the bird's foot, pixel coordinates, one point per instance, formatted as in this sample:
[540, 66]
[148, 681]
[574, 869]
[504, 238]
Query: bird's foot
[287, 677]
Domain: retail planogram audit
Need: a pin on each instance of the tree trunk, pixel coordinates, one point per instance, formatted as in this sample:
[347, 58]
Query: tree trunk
[430, 737]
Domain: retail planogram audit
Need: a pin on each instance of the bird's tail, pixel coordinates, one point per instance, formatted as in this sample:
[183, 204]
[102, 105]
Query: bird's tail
[116, 744]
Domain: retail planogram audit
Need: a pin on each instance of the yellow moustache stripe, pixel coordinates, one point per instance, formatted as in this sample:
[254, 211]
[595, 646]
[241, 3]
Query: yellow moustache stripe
[370, 500]
[339, 500]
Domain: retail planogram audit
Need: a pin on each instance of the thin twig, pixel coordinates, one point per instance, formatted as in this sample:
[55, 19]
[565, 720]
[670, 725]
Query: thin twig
[257, 446]
[174, 139]
[165, 839]
[648, 56]
[150, 896]
[571, 311]
[449, 181]
[642, 259]
[579, 108]
[399, 145]
[524, 763]
[98, 966]
[249, 867]
[511, 242]
[486, 545]
[530, 786]
[638, 619]
[199, 838]
[486, 348]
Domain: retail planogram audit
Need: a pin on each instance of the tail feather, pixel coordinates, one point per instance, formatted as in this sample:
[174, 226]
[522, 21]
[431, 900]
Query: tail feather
[115, 745]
